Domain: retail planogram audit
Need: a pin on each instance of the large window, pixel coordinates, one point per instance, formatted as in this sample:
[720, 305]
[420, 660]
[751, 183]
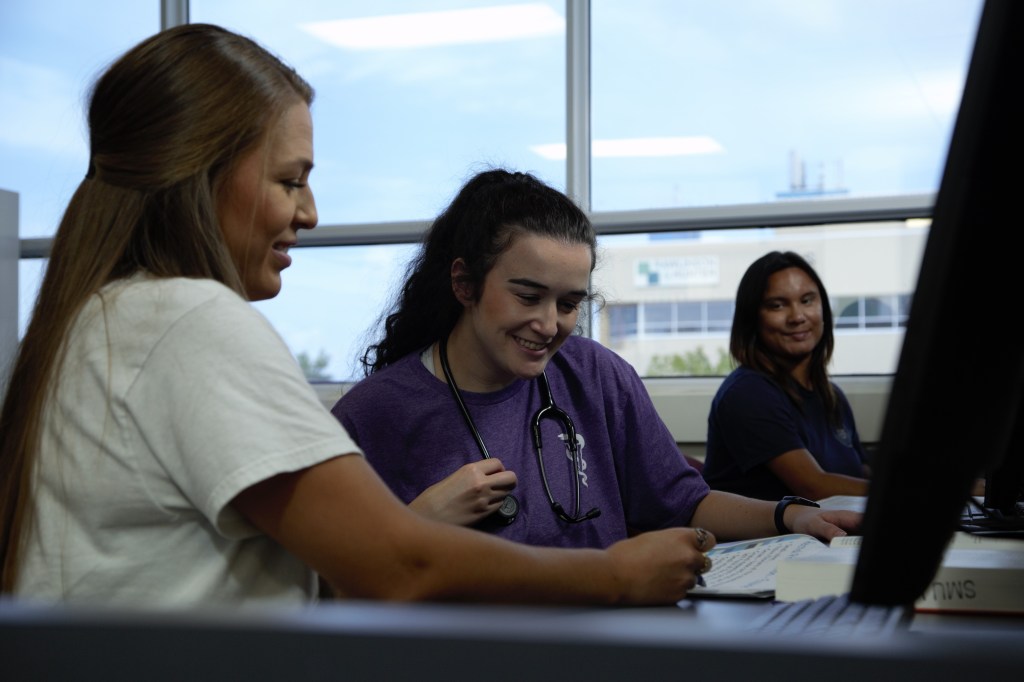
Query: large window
[679, 293]
[50, 51]
[412, 96]
[745, 101]
[718, 131]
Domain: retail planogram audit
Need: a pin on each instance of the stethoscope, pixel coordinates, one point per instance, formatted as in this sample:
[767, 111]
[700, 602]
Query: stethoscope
[509, 508]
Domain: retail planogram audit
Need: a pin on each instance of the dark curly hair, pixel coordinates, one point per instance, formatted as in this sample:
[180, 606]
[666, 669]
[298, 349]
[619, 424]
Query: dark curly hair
[487, 214]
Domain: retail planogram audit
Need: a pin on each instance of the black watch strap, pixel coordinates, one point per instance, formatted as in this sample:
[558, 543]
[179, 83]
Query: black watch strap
[780, 510]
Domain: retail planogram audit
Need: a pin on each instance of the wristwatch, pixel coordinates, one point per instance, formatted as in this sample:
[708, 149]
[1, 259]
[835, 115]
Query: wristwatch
[780, 509]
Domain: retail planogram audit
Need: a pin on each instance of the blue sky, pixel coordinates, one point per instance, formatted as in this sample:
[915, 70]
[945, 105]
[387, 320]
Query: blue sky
[865, 91]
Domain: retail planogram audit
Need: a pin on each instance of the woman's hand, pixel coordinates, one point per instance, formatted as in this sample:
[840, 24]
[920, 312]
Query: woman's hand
[663, 565]
[823, 524]
[473, 492]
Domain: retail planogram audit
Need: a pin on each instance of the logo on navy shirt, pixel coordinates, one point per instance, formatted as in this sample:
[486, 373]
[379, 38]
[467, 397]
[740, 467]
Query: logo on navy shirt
[844, 436]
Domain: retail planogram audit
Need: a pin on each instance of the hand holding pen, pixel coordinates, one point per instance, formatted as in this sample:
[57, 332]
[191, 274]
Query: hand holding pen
[705, 541]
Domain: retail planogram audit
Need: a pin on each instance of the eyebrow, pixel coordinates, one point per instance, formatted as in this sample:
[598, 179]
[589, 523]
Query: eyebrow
[523, 281]
[771, 299]
[303, 162]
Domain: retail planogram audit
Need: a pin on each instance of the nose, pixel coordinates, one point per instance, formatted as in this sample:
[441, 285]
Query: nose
[546, 321]
[796, 315]
[305, 211]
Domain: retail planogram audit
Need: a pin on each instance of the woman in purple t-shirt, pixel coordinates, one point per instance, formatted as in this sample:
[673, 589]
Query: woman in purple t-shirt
[458, 411]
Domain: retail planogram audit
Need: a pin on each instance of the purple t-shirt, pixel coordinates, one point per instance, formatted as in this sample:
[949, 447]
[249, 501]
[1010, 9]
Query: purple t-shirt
[411, 430]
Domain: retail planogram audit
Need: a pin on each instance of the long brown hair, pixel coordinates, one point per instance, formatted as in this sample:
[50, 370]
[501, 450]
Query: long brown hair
[748, 348]
[167, 122]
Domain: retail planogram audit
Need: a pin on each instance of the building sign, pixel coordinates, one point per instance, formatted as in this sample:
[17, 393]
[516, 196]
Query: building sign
[682, 271]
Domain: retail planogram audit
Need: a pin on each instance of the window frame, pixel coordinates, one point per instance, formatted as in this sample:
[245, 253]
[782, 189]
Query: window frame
[578, 172]
[865, 391]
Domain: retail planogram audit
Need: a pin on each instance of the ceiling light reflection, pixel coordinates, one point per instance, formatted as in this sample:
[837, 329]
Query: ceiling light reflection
[637, 147]
[430, 29]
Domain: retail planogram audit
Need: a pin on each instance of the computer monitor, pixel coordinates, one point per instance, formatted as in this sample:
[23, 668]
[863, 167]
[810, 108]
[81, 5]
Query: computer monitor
[1004, 486]
[956, 398]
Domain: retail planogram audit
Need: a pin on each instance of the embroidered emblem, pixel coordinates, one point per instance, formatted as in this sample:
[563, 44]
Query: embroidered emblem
[582, 465]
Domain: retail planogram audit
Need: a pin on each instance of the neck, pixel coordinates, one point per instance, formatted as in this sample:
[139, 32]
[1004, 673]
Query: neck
[801, 373]
[462, 364]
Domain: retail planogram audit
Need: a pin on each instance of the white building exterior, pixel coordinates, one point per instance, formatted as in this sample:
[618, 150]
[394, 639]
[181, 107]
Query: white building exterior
[675, 295]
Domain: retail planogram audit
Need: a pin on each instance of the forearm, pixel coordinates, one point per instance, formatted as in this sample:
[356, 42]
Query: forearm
[431, 561]
[455, 563]
[342, 521]
[825, 484]
[803, 475]
[733, 517]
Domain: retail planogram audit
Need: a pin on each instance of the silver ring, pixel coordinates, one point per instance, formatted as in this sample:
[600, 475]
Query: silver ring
[702, 537]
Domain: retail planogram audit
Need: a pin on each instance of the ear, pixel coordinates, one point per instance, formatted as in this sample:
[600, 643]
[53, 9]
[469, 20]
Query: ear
[462, 289]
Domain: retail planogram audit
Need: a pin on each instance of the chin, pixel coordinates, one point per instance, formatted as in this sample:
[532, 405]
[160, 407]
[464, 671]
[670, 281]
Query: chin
[532, 372]
[262, 293]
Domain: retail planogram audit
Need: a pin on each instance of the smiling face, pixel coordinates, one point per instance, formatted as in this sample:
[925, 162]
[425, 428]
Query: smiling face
[265, 202]
[529, 304]
[791, 317]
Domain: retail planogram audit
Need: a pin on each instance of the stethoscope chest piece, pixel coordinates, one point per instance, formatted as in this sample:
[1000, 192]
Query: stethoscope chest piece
[509, 510]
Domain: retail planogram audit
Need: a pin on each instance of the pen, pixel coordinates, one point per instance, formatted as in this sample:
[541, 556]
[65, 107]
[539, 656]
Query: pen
[700, 580]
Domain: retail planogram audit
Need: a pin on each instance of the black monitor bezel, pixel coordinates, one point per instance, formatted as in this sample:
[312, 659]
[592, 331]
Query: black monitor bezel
[957, 391]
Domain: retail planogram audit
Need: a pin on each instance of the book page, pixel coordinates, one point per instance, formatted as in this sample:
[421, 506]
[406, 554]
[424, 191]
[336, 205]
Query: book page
[850, 502]
[747, 568]
[959, 540]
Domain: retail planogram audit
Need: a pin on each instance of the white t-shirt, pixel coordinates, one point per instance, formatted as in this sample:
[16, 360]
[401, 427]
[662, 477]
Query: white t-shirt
[175, 395]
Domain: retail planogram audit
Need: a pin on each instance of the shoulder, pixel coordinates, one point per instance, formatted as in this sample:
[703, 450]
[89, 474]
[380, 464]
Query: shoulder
[399, 374]
[142, 311]
[170, 293]
[584, 367]
[585, 363]
[582, 353]
[395, 384]
[746, 390]
[744, 380]
[839, 392]
[206, 327]
[154, 301]
[844, 402]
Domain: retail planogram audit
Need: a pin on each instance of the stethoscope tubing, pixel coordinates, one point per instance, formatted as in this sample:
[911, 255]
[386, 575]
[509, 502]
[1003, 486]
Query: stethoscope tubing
[547, 410]
[509, 509]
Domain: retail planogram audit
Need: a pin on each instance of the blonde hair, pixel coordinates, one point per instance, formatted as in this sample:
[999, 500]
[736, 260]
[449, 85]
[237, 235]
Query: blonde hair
[167, 123]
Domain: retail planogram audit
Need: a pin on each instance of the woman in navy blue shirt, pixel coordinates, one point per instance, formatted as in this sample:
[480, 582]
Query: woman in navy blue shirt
[778, 426]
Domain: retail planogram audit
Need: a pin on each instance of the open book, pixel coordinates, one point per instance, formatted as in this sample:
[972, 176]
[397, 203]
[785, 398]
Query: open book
[978, 573]
[746, 568]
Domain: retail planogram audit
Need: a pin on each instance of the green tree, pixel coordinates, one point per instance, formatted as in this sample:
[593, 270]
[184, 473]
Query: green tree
[694, 363]
[314, 369]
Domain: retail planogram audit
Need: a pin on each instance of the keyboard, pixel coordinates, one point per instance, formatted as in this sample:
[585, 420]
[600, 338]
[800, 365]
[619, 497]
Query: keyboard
[833, 615]
[980, 521]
